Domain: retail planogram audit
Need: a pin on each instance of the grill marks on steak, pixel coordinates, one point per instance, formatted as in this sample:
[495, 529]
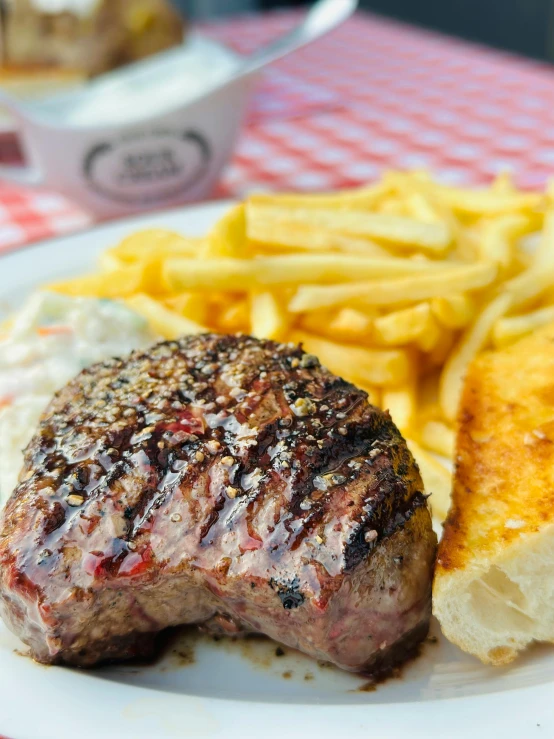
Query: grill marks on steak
[221, 463]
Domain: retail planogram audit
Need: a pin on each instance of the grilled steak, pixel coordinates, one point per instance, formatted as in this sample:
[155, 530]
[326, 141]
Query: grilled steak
[219, 480]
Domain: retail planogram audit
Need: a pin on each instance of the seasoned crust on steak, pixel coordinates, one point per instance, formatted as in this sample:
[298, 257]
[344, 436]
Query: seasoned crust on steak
[222, 479]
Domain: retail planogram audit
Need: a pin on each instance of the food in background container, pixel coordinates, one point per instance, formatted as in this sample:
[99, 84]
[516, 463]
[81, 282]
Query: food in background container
[52, 44]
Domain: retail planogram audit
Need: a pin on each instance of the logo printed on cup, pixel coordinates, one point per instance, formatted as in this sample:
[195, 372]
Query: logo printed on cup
[148, 167]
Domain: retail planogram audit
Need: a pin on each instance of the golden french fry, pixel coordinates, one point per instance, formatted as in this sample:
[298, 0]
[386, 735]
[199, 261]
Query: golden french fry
[543, 261]
[268, 318]
[192, 305]
[403, 326]
[393, 206]
[419, 206]
[226, 273]
[496, 243]
[300, 237]
[440, 349]
[489, 202]
[387, 367]
[397, 230]
[423, 202]
[109, 261]
[318, 321]
[440, 282]
[438, 437]
[350, 325]
[118, 283]
[454, 311]
[401, 404]
[346, 325]
[359, 198]
[472, 342]
[507, 330]
[430, 339]
[437, 480]
[228, 237]
[164, 321]
[529, 284]
[156, 242]
[234, 317]
[296, 269]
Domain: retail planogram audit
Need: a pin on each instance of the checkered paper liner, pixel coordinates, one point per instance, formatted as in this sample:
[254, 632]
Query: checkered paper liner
[372, 95]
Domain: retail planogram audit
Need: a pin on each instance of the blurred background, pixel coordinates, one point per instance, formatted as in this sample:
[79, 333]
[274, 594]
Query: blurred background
[522, 26]
[461, 88]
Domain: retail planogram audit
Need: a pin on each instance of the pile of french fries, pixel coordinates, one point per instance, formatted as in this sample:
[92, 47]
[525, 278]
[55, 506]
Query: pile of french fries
[395, 286]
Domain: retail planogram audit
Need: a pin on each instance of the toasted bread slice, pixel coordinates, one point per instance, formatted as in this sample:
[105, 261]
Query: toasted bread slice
[494, 580]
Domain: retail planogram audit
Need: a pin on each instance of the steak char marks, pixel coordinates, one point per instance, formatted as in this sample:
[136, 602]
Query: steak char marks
[218, 480]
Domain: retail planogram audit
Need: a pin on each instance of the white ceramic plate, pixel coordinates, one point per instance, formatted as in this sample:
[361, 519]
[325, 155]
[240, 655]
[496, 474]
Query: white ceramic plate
[242, 689]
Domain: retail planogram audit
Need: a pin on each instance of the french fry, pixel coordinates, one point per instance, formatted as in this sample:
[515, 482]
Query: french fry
[430, 339]
[346, 325]
[393, 206]
[472, 342]
[323, 268]
[403, 326]
[419, 206]
[268, 318]
[208, 274]
[543, 263]
[109, 261]
[510, 329]
[296, 269]
[386, 367]
[410, 288]
[437, 480]
[191, 305]
[156, 242]
[497, 238]
[359, 198]
[301, 237]
[530, 284]
[350, 325]
[398, 230]
[226, 273]
[440, 349]
[454, 311]
[118, 283]
[228, 237]
[401, 404]
[164, 321]
[235, 316]
[437, 437]
[488, 202]
[423, 203]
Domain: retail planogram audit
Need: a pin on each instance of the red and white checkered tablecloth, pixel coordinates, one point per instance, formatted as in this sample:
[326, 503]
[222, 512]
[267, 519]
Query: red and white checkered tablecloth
[372, 95]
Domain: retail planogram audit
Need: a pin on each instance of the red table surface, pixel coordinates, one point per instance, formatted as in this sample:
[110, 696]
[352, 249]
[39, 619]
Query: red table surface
[370, 96]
